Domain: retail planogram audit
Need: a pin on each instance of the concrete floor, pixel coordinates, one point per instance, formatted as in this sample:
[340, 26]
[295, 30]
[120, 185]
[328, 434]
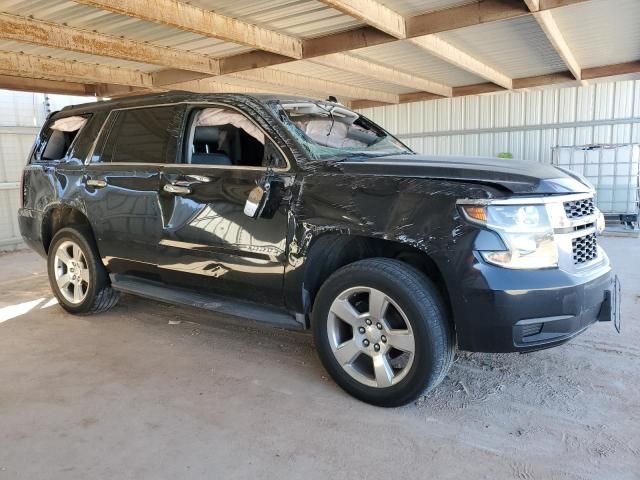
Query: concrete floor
[127, 394]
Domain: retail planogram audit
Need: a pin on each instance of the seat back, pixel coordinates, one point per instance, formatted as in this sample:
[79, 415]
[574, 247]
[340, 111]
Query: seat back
[207, 148]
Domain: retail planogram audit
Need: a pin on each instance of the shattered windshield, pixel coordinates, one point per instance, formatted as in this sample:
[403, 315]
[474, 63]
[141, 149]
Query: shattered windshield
[328, 130]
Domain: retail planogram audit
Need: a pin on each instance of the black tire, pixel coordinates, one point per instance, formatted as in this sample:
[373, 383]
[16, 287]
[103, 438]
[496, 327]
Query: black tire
[422, 304]
[100, 297]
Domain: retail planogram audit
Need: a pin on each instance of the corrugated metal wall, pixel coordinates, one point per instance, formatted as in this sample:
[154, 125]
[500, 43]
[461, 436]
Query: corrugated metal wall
[22, 116]
[525, 123]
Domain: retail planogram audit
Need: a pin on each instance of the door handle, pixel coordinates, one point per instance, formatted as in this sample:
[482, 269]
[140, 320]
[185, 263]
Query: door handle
[197, 178]
[176, 189]
[96, 183]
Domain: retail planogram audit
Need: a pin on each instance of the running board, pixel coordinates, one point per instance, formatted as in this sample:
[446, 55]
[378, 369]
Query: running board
[238, 308]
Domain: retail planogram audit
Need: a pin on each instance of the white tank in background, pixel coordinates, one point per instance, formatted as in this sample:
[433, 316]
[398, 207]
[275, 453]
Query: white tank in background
[614, 171]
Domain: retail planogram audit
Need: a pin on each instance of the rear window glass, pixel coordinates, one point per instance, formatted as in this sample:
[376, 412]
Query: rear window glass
[60, 136]
[143, 135]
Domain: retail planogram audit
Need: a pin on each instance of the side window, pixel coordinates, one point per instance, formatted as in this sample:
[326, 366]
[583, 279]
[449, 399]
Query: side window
[59, 136]
[226, 137]
[143, 135]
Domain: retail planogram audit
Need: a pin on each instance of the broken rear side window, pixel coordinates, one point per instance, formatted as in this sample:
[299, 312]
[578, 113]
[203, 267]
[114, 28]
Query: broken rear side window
[59, 136]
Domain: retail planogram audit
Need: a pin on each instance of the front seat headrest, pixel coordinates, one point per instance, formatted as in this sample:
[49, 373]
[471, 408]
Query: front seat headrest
[206, 135]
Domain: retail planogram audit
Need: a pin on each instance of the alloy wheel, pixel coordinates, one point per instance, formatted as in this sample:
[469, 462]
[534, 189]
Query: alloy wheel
[371, 337]
[71, 272]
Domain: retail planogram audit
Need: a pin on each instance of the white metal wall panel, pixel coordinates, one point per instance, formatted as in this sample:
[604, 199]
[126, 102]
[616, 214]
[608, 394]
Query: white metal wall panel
[8, 224]
[527, 124]
[20, 109]
[14, 148]
[585, 104]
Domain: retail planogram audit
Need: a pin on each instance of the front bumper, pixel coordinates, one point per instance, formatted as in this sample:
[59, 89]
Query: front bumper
[501, 310]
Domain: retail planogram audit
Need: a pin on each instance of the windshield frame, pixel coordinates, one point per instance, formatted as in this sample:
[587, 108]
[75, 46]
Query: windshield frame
[318, 152]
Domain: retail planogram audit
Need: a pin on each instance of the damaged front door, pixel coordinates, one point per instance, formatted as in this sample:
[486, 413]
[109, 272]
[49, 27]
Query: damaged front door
[208, 241]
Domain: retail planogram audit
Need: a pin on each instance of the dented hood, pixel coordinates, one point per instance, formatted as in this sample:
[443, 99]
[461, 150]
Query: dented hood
[517, 176]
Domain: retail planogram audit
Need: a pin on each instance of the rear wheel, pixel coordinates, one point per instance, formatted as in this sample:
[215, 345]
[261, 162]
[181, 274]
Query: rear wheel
[76, 274]
[381, 331]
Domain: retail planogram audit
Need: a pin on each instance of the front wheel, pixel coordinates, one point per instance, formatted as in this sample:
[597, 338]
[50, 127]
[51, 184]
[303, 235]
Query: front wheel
[381, 331]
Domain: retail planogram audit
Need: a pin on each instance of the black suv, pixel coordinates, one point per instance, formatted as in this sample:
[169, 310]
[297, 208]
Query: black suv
[305, 214]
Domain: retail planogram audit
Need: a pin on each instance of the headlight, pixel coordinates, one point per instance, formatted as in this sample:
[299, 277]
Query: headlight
[526, 231]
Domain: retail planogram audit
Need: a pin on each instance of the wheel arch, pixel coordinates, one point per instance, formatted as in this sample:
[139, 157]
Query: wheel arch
[331, 251]
[59, 216]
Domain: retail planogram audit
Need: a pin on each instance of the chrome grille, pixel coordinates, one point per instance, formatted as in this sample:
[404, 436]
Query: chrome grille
[584, 248]
[579, 208]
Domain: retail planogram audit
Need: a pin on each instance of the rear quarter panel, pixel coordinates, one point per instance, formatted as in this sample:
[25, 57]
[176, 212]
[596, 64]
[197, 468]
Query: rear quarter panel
[51, 184]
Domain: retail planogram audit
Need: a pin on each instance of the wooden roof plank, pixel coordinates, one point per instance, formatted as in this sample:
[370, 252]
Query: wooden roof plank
[372, 13]
[552, 31]
[37, 32]
[443, 50]
[190, 18]
[23, 65]
[311, 84]
[350, 63]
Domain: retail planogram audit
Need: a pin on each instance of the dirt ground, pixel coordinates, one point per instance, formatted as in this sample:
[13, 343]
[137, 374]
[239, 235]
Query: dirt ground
[134, 394]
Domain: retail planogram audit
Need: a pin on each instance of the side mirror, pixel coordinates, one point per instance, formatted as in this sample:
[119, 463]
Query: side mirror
[256, 201]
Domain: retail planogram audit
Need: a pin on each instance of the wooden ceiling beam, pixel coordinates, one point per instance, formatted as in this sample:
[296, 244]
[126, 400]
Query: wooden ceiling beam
[443, 50]
[313, 85]
[118, 91]
[357, 104]
[475, 13]
[554, 35]
[345, 41]
[228, 84]
[477, 89]
[37, 32]
[551, 4]
[611, 70]
[350, 63]
[372, 13]
[467, 15]
[40, 85]
[210, 85]
[543, 80]
[386, 20]
[23, 65]
[232, 64]
[190, 18]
